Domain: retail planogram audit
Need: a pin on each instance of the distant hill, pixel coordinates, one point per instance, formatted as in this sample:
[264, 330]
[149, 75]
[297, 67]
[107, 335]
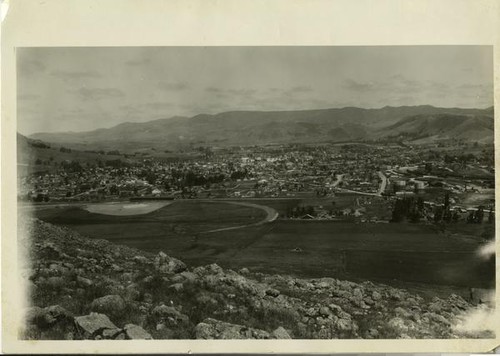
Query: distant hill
[39, 156]
[264, 127]
[444, 126]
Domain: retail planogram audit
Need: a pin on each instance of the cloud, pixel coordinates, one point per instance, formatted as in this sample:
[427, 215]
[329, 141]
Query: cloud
[234, 94]
[242, 92]
[231, 91]
[166, 86]
[157, 105]
[396, 85]
[75, 75]
[470, 86]
[99, 93]
[213, 90]
[322, 103]
[300, 89]
[353, 85]
[138, 62]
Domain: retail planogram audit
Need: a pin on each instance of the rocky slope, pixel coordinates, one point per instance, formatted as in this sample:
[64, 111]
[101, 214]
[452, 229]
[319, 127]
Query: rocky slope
[91, 289]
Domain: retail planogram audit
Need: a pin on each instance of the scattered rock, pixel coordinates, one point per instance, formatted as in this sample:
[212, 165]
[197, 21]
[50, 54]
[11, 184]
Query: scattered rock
[167, 265]
[169, 315]
[83, 282]
[371, 334]
[110, 333]
[215, 329]
[93, 324]
[281, 333]
[325, 311]
[189, 276]
[273, 292]
[141, 259]
[108, 304]
[135, 332]
[55, 282]
[177, 287]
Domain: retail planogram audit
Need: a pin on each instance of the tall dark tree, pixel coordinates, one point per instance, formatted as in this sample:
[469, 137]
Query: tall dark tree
[438, 213]
[446, 207]
[491, 216]
[479, 215]
[470, 217]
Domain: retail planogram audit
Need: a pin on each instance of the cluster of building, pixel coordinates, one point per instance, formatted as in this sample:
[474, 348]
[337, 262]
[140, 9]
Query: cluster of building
[265, 171]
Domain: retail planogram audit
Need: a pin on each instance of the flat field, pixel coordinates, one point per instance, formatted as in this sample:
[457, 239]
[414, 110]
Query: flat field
[392, 253]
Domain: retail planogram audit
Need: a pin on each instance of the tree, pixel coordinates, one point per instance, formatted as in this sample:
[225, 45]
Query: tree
[438, 213]
[491, 216]
[479, 215]
[470, 217]
[446, 208]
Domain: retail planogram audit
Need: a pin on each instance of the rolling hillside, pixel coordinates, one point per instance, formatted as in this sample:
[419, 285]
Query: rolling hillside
[256, 127]
[444, 126]
[38, 156]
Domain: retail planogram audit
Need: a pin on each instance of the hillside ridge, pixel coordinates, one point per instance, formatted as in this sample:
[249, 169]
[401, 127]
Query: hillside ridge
[264, 127]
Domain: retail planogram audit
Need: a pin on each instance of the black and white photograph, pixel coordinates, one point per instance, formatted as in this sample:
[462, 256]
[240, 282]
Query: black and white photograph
[256, 192]
[261, 177]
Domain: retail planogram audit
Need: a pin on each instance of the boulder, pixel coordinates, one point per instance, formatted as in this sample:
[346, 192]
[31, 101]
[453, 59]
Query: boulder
[45, 317]
[281, 333]
[111, 333]
[205, 331]
[325, 311]
[165, 264]
[132, 292]
[141, 259]
[135, 332]
[273, 292]
[83, 282]
[55, 282]
[93, 324]
[189, 276]
[177, 287]
[206, 299]
[371, 334]
[398, 325]
[214, 268]
[56, 313]
[170, 315]
[216, 329]
[108, 304]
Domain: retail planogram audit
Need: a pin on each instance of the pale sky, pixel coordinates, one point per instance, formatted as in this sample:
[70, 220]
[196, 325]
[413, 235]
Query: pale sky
[80, 89]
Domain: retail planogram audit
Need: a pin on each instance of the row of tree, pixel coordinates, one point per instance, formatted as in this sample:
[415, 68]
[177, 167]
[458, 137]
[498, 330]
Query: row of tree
[413, 209]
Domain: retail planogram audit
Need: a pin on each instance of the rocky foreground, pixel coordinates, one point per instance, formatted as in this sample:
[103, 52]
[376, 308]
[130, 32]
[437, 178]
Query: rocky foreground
[91, 289]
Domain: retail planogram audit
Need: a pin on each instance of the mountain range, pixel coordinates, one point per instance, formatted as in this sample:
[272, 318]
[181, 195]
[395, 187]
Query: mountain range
[410, 123]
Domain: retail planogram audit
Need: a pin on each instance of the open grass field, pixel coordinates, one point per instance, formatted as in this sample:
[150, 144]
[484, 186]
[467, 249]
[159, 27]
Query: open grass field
[391, 253]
